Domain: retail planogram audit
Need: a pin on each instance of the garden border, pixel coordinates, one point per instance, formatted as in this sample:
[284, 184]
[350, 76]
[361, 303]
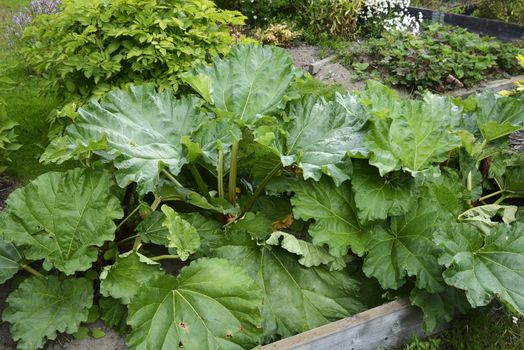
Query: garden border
[493, 85]
[501, 30]
[387, 325]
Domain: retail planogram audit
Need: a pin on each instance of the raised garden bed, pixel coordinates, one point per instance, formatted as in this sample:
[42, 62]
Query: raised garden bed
[328, 71]
[390, 325]
[284, 206]
[483, 26]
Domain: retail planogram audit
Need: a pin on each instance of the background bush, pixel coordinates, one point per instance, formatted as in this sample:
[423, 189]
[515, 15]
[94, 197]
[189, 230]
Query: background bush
[336, 17]
[95, 44]
[504, 10]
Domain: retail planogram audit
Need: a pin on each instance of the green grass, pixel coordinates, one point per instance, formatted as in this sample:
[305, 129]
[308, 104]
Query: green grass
[13, 4]
[26, 104]
[486, 328]
[29, 107]
[7, 8]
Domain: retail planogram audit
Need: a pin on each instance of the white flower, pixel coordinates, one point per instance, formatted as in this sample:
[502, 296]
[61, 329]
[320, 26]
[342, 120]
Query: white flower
[392, 14]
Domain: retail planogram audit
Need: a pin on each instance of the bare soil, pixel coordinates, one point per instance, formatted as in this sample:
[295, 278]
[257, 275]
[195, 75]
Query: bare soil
[303, 55]
[516, 141]
[7, 185]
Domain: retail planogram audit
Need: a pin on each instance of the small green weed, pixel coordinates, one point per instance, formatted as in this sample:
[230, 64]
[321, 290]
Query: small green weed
[421, 344]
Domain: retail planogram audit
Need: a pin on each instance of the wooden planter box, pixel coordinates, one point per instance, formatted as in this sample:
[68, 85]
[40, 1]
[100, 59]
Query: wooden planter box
[500, 30]
[389, 325]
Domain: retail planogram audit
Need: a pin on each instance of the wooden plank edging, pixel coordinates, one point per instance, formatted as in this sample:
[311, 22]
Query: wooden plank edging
[315, 67]
[493, 85]
[388, 325]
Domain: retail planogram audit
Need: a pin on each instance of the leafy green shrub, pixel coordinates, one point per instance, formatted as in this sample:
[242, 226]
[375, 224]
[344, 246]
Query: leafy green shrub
[258, 11]
[283, 207]
[277, 34]
[433, 59]
[92, 45]
[504, 10]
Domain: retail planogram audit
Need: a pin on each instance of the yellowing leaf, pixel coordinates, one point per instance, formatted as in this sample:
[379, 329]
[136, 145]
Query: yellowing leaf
[182, 235]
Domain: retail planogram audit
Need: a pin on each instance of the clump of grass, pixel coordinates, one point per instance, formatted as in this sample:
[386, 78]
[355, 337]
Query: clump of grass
[28, 105]
[488, 328]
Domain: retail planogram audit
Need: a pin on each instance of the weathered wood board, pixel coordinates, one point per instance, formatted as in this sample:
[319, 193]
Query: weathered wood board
[494, 85]
[388, 325]
[314, 67]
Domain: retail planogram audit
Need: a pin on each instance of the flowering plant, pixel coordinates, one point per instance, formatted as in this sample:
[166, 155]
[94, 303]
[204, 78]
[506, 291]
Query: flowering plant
[391, 15]
[25, 17]
[519, 85]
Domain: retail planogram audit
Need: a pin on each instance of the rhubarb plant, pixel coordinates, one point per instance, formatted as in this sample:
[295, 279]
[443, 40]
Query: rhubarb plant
[250, 210]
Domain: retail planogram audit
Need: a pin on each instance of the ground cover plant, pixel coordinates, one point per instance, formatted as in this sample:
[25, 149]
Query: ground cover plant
[285, 210]
[441, 58]
[26, 110]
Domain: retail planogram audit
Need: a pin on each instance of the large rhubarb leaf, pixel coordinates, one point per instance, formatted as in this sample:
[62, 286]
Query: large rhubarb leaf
[319, 136]
[498, 116]
[255, 225]
[296, 298]
[212, 136]
[141, 130]
[42, 307]
[379, 100]
[249, 82]
[126, 276]
[335, 214]
[152, 230]
[448, 191]
[406, 249]
[378, 197]
[10, 260]
[439, 307]
[63, 218]
[481, 216]
[212, 305]
[415, 137]
[310, 254]
[113, 313]
[209, 230]
[485, 266]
